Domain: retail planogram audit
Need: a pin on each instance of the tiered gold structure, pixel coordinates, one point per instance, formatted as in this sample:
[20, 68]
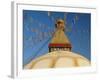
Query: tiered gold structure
[60, 40]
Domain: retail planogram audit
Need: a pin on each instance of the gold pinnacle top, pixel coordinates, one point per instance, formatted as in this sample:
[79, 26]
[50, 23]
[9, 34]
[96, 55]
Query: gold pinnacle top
[59, 35]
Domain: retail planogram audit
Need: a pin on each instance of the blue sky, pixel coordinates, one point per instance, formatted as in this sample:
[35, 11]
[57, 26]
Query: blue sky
[38, 27]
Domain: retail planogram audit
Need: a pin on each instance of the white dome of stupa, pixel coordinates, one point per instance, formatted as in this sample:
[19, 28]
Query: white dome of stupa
[58, 59]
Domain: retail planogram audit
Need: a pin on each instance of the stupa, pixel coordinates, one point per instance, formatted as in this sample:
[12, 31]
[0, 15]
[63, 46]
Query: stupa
[60, 54]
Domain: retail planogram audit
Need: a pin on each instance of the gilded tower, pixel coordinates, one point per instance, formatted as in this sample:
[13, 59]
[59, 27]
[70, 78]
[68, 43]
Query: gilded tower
[60, 40]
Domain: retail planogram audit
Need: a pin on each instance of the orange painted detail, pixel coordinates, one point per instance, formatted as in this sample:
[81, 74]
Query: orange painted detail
[59, 45]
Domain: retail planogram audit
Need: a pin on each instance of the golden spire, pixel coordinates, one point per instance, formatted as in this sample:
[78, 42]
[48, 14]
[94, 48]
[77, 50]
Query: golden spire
[59, 36]
[60, 40]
